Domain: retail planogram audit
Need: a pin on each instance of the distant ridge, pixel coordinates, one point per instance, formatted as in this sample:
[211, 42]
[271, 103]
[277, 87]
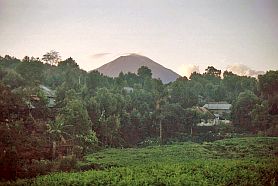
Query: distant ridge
[132, 63]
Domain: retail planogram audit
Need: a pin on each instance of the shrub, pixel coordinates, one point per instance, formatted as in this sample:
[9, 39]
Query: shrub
[68, 163]
[35, 168]
[149, 142]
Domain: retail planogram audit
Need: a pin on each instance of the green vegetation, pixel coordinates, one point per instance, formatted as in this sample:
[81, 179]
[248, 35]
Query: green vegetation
[55, 109]
[238, 161]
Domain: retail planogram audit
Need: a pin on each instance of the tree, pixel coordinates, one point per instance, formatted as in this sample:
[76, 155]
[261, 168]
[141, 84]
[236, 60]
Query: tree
[160, 101]
[10, 103]
[96, 80]
[143, 100]
[57, 131]
[195, 76]
[192, 117]
[260, 116]
[242, 109]
[182, 93]
[173, 120]
[213, 71]
[144, 72]
[231, 83]
[8, 61]
[110, 126]
[268, 83]
[68, 63]
[31, 71]
[13, 79]
[234, 84]
[52, 57]
[75, 114]
[22, 139]
[104, 110]
[108, 102]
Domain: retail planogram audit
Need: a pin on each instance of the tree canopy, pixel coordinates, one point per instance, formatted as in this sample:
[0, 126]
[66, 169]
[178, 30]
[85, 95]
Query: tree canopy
[52, 57]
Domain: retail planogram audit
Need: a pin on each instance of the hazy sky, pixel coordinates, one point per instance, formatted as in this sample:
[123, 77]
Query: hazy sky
[180, 35]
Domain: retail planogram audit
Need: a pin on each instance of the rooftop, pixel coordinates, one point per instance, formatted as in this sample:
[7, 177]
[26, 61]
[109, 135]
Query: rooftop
[47, 91]
[218, 106]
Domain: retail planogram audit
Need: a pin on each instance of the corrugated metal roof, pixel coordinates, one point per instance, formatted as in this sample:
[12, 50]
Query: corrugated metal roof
[47, 91]
[218, 106]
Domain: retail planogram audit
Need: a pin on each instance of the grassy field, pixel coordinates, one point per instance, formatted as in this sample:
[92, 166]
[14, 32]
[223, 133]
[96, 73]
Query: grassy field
[237, 161]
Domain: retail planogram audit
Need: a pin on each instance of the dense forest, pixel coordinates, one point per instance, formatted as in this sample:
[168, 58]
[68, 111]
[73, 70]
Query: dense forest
[92, 111]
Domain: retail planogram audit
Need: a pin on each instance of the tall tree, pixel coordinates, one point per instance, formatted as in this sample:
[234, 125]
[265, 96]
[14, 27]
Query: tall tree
[268, 83]
[182, 93]
[75, 114]
[173, 120]
[52, 57]
[242, 109]
[213, 71]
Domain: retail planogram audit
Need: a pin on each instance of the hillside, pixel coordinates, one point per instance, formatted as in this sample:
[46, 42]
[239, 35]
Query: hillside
[132, 63]
[237, 161]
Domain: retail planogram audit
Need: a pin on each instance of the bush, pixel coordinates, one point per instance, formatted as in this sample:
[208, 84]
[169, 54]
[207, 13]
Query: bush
[68, 163]
[36, 168]
[149, 142]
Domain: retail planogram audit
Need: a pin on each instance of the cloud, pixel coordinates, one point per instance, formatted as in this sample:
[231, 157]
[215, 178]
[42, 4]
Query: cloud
[129, 53]
[100, 55]
[105, 54]
[187, 69]
[243, 70]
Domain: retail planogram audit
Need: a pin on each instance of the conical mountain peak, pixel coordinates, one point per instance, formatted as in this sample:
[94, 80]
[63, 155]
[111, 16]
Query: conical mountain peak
[132, 62]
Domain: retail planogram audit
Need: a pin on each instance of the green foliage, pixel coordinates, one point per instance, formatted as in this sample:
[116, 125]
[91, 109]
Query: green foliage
[77, 124]
[68, 163]
[211, 71]
[74, 113]
[13, 79]
[190, 173]
[68, 63]
[249, 147]
[87, 141]
[8, 62]
[93, 109]
[57, 129]
[252, 163]
[144, 72]
[242, 108]
[31, 71]
[268, 83]
[36, 168]
[52, 57]
[182, 93]
[96, 80]
[173, 120]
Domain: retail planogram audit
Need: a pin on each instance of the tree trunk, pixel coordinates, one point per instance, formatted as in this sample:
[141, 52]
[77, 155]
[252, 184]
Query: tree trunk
[160, 132]
[54, 149]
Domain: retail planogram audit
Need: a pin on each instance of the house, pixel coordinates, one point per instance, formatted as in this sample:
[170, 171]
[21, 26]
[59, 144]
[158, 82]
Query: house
[35, 100]
[128, 89]
[217, 113]
[50, 94]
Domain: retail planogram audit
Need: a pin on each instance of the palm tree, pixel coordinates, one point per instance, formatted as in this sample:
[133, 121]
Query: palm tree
[57, 132]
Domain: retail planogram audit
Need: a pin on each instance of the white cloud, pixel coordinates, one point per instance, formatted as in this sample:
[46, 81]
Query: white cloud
[100, 55]
[187, 69]
[129, 53]
[243, 70]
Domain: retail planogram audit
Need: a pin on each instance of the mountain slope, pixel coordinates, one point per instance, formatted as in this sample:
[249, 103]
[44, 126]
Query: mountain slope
[132, 63]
